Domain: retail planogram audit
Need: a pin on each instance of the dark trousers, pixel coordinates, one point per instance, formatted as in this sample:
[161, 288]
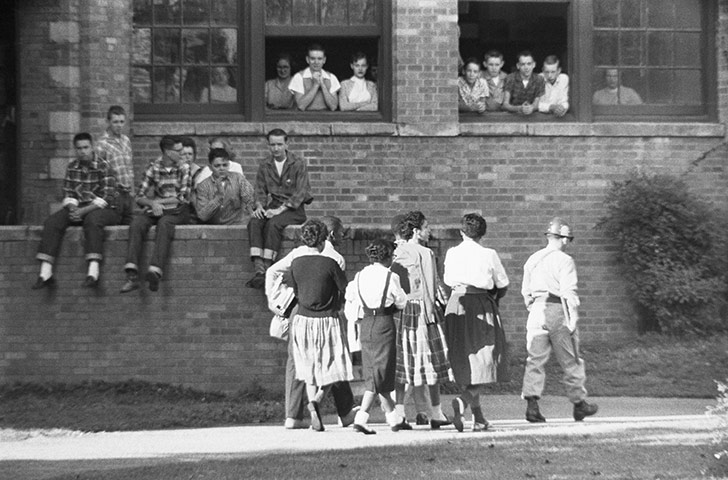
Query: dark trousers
[93, 230]
[126, 207]
[266, 235]
[166, 224]
[296, 389]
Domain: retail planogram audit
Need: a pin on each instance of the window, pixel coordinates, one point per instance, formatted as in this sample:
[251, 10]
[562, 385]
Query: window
[210, 59]
[626, 59]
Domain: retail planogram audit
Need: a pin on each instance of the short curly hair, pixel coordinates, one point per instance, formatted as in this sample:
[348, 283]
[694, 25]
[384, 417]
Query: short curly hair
[379, 250]
[473, 225]
[412, 220]
[314, 233]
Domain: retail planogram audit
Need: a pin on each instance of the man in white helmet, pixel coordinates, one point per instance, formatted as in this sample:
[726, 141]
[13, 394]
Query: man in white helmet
[549, 290]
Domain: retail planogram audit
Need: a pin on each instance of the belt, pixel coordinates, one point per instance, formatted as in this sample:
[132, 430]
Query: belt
[373, 312]
[550, 298]
[468, 289]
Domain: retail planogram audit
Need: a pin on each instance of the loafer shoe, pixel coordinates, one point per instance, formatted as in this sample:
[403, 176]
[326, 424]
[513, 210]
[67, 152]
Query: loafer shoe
[258, 281]
[90, 282]
[153, 281]
[584, 409]
[316, 422]
[458, 408]
[480, 427]
[40, 283]
[436, 424]
[294, 424]
[348, 419]
[422, 419]
[363, 429]
[403, 425]
[131, 284]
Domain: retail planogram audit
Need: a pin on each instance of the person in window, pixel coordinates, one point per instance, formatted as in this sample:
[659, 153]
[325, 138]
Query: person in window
[472, 89]
[555, 99]
[277, 93]
[358, 93]
[495, 78]
[225, 197]
[314, 87]
[523, 90]
[220, 91]
[614, 93]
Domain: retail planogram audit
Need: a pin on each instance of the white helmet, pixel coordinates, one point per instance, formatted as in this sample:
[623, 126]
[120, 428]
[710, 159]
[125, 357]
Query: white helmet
[559, 228]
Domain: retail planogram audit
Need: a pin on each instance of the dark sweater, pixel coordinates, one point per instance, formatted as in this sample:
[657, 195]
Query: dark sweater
[318, 282]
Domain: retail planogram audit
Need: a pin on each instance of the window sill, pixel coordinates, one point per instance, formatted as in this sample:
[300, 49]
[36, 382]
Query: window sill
[384, 129]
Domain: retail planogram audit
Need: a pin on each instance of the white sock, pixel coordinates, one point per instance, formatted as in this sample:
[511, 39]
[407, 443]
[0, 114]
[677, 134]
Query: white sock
[46, 270]
[93, 269]
[437, 413]
[361, 418]
[393, 418]
[399, 408]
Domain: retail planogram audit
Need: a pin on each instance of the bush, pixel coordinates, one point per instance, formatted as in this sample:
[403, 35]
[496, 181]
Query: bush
[672, 250]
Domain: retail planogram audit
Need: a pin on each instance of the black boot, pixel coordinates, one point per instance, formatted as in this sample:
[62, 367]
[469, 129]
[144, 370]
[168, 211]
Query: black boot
[584, 409]
[533, 414]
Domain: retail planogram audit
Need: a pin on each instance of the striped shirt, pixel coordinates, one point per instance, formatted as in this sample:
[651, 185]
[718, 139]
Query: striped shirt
[89, 183]
[172, 182]
[116, 151]
[224, 202]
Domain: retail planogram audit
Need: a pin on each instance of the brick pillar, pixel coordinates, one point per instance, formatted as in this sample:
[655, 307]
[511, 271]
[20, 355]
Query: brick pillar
[425, 66]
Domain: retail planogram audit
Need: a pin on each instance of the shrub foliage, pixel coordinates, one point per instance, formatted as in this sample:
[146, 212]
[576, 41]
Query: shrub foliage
[672, 248]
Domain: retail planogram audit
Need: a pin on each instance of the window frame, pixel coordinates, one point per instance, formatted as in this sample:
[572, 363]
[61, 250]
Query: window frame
[581, 32]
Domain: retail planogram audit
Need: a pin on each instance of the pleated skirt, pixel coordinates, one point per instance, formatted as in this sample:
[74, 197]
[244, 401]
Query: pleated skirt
[320, 352]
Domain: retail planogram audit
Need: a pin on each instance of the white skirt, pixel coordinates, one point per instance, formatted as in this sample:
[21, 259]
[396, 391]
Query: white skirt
[320, 352]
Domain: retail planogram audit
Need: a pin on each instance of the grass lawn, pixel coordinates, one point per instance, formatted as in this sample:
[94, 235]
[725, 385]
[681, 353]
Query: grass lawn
[651, 365]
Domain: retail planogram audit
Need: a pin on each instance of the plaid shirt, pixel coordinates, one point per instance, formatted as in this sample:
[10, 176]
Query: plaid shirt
[291, 188]
[166, 183]
[117, 153]
[91, 183]
[520, 94]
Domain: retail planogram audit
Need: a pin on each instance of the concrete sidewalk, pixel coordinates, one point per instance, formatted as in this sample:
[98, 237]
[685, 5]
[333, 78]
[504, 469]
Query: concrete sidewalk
[504, 411]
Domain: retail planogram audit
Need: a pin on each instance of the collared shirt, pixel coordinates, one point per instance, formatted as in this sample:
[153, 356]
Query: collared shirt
[550, 271]
[370, 284]
[471, 264]
[297, 82]
[290, 188]
[520, 93]
[278, 95]
[495, 87]
[348, 97]
[471, 97]
[89, 183]
[116, 151]
[204, 173]
[172, 182]
[616, 96]
[284, 264]
[555, 94]
[224, 201]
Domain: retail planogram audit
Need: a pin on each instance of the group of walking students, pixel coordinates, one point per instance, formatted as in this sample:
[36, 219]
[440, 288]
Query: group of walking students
[411, 335]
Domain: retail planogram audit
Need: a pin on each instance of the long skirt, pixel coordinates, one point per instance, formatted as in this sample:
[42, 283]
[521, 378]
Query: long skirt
[421, 348]
[378, 352]
[476, 340]
[320, 352]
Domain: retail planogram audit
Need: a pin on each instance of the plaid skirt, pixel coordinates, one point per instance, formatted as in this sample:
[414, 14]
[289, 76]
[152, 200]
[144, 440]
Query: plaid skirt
[421, 349]
[320, 352]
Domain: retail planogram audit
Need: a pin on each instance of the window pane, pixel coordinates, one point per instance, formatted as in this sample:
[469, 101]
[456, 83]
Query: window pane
[277, 12]
[222, 89]
[362, 12]
[661, 86]
[687, 48]
[166, 11]
[224, 12]
[168, 84]
[142, 12]
[333, 12]
[659, 48]
[661, 14]
[687, 14]
[634, 79]
[197, 80]
[605, 48]
[304, 12]
[688, 87]
[142, 46]
[195, 45]
[224, 45]
[166, 45]
[631, 13]
[141, 84]
[195, 12]
[631, 46]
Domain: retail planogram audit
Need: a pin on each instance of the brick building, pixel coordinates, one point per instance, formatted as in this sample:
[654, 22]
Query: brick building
[71, 59]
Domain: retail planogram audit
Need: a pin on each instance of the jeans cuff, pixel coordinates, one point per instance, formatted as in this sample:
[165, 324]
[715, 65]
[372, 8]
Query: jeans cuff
[44, 257]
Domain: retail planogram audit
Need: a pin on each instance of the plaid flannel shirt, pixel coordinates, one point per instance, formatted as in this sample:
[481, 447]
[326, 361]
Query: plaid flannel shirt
[291, 188]
[91, 183]
[117, 153]
[520, 94]
[166, 183]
